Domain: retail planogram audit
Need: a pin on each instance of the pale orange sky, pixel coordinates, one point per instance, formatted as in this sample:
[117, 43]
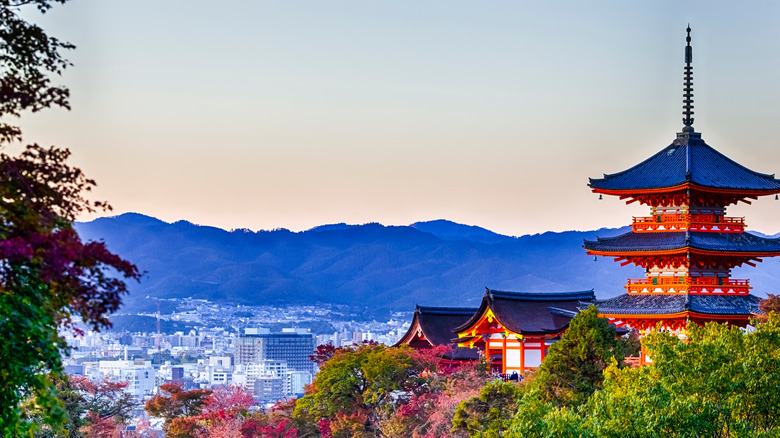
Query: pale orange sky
[293, 114]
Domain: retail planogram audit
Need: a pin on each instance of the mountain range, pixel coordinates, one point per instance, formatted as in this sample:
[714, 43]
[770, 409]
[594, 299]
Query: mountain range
[434, 263]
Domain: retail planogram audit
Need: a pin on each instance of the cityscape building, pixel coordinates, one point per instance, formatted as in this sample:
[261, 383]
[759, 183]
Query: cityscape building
[293, 346]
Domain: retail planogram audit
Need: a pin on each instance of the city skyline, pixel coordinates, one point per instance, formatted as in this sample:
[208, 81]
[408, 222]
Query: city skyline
[282, 114]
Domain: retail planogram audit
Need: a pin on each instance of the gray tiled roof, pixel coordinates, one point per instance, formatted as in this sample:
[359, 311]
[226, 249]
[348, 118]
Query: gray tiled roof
[657, 304]
[687, 160]
[532, 313]
[727, 242]
[437, 322]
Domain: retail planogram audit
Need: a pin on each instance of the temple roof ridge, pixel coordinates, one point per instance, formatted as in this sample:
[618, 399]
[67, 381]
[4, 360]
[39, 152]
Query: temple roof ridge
[429, 310]
[540, 296]
[530, 313]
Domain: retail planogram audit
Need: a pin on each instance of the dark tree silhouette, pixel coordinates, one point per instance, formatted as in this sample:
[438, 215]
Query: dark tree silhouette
[48, 276]
[29, 58]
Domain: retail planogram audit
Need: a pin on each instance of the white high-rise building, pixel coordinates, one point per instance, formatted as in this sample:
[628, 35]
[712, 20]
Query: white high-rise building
[139, 373]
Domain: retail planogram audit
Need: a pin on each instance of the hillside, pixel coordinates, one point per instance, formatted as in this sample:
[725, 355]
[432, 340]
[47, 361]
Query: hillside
[388, 267]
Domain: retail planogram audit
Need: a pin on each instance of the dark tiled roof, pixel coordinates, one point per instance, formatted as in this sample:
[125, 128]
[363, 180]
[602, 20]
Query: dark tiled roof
[687, 160]
[531, 313]
[728, 242]
[437, 322]
[657, 304]
[462, 353]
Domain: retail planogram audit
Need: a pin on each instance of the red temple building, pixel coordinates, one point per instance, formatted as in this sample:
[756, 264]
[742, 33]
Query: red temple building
[512, 329]
[515, 329]
[687, 245]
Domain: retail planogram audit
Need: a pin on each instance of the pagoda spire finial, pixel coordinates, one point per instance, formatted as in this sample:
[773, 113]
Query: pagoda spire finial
[688, 90]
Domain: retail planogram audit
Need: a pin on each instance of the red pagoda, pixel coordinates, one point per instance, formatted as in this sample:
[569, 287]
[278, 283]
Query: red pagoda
[688, 245]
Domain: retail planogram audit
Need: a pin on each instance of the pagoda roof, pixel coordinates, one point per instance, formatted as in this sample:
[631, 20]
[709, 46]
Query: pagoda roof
[670, 241]
[436, 323]
[688, 160]
[667, 304]
[531, 313]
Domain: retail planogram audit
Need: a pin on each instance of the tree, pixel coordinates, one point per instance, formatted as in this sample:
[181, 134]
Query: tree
[281, 422]
[491, 412]
[720, 382]
[72, 401]
[771, 304]
[95, 409]
[574, 366]
[323, 353]
[178, 407]
[48, 276]
[30, 57]
[430, 414]
[571, 372]
[227, 398]
[356, 387]
[106, 403]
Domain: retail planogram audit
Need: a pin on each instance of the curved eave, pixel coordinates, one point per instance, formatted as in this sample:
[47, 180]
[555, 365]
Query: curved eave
[475, 319]
[683, 187]
[682, 251]
[677, 315]
[623, 316]
[410, 333]
[463, 342]
[688, 162]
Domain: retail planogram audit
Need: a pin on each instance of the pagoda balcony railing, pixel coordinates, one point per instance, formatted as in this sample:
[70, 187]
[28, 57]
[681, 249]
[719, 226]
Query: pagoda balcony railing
[690, 222]
[694, 285]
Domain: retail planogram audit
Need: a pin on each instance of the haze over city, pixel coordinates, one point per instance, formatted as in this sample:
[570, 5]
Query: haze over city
[293, 114]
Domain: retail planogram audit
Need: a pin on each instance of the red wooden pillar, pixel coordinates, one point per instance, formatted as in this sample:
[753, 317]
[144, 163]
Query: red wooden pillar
[522, 354]
[487, 355]
[503, 357]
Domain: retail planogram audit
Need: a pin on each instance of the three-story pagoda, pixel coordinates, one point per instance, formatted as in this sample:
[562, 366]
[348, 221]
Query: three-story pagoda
[687, 245]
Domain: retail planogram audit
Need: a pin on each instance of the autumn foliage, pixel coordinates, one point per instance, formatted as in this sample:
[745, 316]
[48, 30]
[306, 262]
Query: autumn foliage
[48, 276]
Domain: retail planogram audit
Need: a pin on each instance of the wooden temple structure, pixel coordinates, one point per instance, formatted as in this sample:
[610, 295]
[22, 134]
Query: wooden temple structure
[432, 326]
[511, 330]
[688, 246]
[514, 329]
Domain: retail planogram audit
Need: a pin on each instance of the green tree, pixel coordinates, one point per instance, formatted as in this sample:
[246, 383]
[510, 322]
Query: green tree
[48, 277]
[571, 372]
[721, 382]
[73, 403]
[93, 408]
[356, 388]
[574, 366]
[491, 413]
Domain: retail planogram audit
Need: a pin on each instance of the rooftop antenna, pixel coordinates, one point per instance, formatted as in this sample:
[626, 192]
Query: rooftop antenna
[688, 90]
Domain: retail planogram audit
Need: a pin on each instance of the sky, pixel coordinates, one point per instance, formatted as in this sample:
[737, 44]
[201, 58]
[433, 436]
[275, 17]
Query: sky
[290, 114]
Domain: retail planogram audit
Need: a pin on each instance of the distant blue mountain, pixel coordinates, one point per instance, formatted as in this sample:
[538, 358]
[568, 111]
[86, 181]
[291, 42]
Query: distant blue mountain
[446, 230]
[385, 267]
